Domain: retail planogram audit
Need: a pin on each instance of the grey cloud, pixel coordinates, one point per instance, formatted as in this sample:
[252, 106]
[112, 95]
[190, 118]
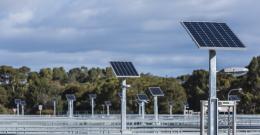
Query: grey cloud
[80, 32]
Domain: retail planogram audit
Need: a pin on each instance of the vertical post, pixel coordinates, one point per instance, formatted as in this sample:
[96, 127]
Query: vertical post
[92, 107]
[212, 102]
[139, 109]
[108, 113]
[234, 118]
[54, 108]
[202, 117]
[123, 107]
[170, 110]
[155, 108]
[143, 109]
[228, 120]
[184, 109]
[22, 109]
[70, 108]
[17, 108]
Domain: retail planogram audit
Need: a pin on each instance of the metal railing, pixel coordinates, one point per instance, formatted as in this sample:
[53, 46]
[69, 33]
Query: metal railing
[102, 124]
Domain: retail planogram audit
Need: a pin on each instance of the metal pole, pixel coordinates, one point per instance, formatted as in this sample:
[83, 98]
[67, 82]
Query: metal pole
[69, 108]
[123, 107]
[54, 108]
[202, 118]
[72, 108]
[184, 109]
[155, 108]
[92, 107]
[228, 120]
[139, 109]
[17, 108]
[103, 109]
[213, 118]
[108, 113]
[171, 110]
[234, 118]
[22, 109]
[143, 110]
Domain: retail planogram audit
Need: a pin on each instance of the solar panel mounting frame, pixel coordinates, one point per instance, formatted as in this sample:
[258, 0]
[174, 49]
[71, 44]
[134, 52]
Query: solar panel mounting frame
[108, 103]
[92, 96]
[140, 98]
[71, 97]
[156, 95]
[23, 102]
[211, 48]
[124, 76]
[17, 101]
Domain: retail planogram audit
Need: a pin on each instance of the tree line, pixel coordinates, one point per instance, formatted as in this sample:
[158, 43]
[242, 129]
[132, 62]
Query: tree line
[41, 88]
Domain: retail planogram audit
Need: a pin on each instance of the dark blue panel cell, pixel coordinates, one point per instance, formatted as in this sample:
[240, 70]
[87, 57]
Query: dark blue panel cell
[213, 35]
[202, 34]
[234, 38]
[195, 34]
[70, 97]
[142, 97]
[156, 91]
[217, 34]
[124, 69]
[209, 34]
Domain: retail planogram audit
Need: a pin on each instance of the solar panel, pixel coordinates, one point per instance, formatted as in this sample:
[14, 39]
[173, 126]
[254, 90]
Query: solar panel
[156, 91]
[124, 69]
[23, 103]
[17, 101]
[70, 97]
[213, 35]
[92, 96]
[142, 97]
[108, 103]
[234, 98]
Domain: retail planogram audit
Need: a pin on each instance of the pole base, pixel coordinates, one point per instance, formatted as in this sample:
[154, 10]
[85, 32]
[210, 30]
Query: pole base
[126, 132]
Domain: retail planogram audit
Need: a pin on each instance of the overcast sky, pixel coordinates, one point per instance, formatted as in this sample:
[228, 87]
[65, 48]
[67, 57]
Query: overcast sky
[74, 33]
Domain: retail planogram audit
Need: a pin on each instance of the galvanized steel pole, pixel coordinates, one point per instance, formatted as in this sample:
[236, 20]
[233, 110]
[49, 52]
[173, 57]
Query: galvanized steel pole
[212, 102]
[108, 113]
[143, 109]
[54, 107]
[123, 107]
[156, 108]
[17, 109]
[92, 107]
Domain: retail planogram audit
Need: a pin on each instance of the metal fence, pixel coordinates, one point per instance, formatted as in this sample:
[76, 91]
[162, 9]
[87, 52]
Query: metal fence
[102, 124]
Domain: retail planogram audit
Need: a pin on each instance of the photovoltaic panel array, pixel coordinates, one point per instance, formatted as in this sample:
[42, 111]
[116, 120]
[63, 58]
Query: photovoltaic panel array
[92, 96]
[213, 35]
[70, 97]
[124, 69]
[108, 103]
[142, 97]
[17, 101]
[156, 91]
[234, 98]
[23, 103]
